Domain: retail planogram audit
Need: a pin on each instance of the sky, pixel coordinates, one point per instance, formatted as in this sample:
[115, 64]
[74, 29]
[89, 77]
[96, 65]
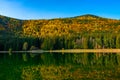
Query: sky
[48, 9]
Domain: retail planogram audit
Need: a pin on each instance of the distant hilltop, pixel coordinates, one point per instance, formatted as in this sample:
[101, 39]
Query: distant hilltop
[85, 15]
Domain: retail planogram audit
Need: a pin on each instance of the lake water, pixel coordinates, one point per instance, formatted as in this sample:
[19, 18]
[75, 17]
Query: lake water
[59, 66]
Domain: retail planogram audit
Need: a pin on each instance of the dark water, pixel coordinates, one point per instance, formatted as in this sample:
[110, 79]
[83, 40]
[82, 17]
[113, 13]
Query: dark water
[80, 59]
[60, 66]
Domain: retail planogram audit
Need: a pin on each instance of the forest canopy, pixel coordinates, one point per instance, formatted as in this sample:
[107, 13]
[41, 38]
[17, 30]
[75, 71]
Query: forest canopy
[86, 31]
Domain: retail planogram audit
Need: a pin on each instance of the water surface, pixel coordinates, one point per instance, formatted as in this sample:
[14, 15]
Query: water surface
[59, 66]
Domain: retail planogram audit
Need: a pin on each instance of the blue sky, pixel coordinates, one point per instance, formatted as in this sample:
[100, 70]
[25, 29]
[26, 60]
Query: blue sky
[47, 9]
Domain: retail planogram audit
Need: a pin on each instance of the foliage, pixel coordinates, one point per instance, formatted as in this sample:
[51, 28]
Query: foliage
[25, 46]
[87, 31]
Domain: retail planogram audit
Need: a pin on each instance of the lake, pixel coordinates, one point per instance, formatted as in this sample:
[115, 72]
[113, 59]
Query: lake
[59, 66]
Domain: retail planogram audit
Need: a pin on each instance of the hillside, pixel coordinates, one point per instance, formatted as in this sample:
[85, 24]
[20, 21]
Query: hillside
[68, 26]
[73, 31]
[9, 26]
[61, 26]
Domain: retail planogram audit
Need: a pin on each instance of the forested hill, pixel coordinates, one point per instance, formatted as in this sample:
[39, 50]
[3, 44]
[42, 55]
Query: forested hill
[9, 26]
[70, 31]
[60, 26]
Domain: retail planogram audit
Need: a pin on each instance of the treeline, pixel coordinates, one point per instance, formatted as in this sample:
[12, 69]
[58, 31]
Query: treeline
[86, 41]
[17, 43]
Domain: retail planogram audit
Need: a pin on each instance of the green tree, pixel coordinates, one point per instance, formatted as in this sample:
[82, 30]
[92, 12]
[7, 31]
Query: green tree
[48, 43]
[25, 46]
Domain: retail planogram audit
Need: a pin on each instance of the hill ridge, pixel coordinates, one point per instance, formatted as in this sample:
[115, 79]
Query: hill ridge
[83, 15]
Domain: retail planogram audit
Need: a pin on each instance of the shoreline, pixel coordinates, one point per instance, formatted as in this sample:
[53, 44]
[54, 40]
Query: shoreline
[68, 51]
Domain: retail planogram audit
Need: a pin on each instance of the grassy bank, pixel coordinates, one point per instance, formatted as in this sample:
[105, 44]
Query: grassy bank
[70, 51]
[87, 51]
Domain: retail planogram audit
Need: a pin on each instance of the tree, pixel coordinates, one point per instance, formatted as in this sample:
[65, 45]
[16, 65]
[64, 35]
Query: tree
[25, 46]
[48, 43]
